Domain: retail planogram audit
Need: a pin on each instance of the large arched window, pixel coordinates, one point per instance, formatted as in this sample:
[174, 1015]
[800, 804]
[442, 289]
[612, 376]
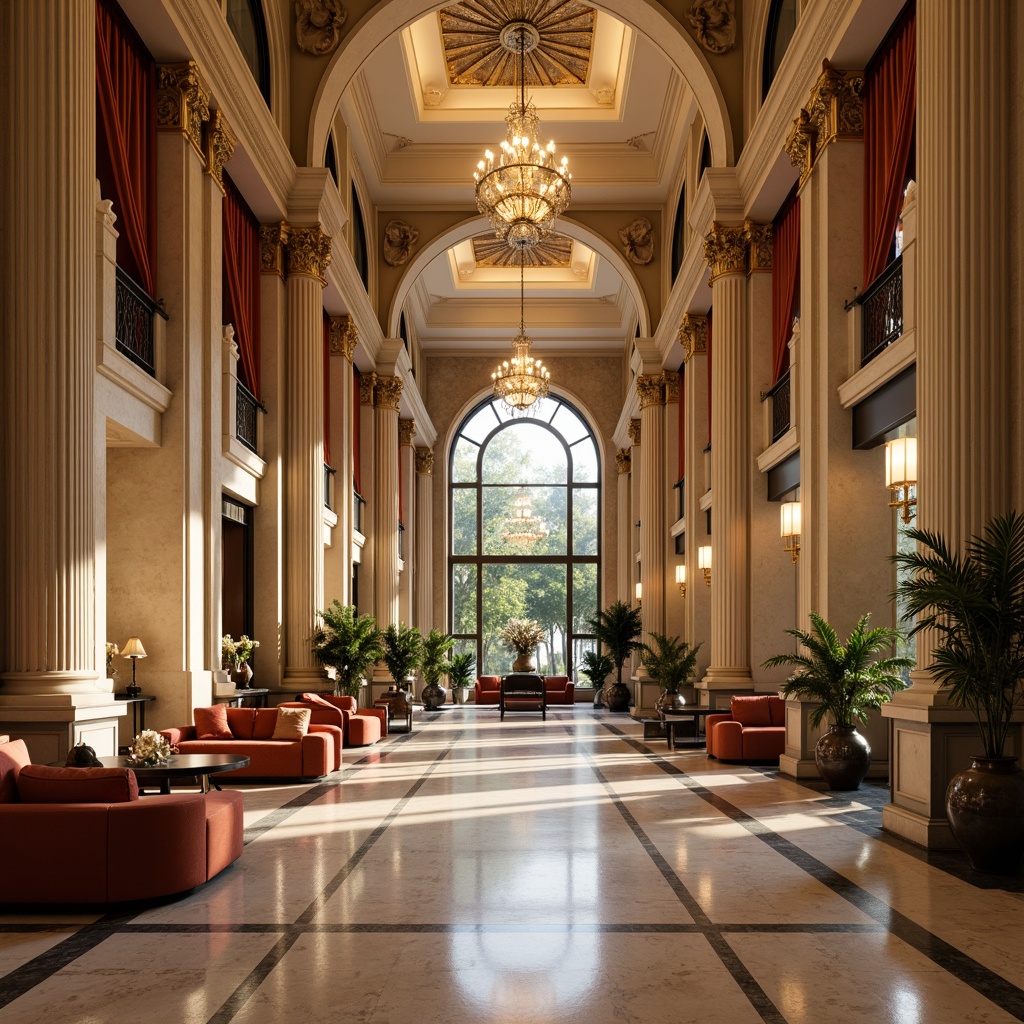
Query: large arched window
[525, 527]
[245, 19]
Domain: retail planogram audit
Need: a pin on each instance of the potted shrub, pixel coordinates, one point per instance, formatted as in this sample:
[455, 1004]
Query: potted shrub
[436, 645]
[846, 681]
[403, 653]
[597, 668]
[347, 643]
[460, 675]
[522, 636]
[670, 663]
[974, 603]
[617, 629]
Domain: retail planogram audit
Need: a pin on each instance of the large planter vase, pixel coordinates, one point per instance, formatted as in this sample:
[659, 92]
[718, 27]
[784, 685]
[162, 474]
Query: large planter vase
[842, 757]
[985, 806]
[460, 694]
[524, 663]
[433, 696]
[670, 703]
[616, 697]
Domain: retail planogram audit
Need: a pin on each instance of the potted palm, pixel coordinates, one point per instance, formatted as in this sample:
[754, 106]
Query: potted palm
[597, 668]
[348, 644]
[846, 681]
[670, 663]
[460, 675]
[617, 629]
[436, 645]
[403, 653]
[974, 603]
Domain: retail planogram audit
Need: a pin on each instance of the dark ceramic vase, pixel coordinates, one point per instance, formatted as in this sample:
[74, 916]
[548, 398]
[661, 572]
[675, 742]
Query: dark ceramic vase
[524, 663]
[433, 696]
[842, 757]
[985, 806]
[670, 703]
[616, 697]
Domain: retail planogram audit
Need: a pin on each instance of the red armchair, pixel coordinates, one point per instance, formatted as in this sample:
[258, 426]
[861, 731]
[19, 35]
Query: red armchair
[754, 730]
[361, 726]
[488, 689]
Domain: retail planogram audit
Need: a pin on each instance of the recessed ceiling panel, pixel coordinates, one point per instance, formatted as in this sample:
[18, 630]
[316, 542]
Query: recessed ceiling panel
[552, 251]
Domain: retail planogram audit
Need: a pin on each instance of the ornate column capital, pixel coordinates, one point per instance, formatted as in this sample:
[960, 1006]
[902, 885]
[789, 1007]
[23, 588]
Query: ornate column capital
[182, 102]
[272, 239]
[623, 461]
[693, 335]
[366, 383]
[634, 431]
[307, 251]
[343, 336]
[670, 381]
[425, 461]
[760, 243]
[406, 432]
[388, 391]
[725, 250]
[648, 389]
[220, 144]
[799, 144]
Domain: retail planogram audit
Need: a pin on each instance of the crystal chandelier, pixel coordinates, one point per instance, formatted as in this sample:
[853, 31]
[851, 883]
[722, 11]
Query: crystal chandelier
[522, 526]
[525, 190]
[521, 381]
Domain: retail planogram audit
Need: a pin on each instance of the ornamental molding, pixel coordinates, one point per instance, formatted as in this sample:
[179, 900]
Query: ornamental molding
[725, 250]
[406, 432]
[318, 25]
[307, 251]
[366, 383]
[387, 392]
[648, 389]
[399, 242]
[670, 381]
[634, 431]
[714, 24]
[220, 144]
[693, 335]
[425, 461]
[272, 240]
[182, 102]
[623, 461]
[760, 241]
[638, 241]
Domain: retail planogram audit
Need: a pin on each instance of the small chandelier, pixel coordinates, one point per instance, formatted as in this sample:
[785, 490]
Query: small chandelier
[523, 380]
[526, 190]
[523, 527]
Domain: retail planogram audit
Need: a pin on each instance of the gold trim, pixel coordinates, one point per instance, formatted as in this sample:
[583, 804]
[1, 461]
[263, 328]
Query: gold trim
[425, 461]
[272, 239]
[693, 335]
[760, 242]
[307, 251]
[623, 461]
[182, 102]
[220, 145]
[388, 391]
[406, 432]
[670, 381]
[649, 390]
[634, 431]
[366, 383]
[725, 250]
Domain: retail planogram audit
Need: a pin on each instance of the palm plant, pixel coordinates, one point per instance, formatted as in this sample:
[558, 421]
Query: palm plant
[348, 643]
[617, 629]
[436, 645]
[403, 651]
[460, 670]
[670, 662]
[597, 668]
[843, 679]
[975, 602]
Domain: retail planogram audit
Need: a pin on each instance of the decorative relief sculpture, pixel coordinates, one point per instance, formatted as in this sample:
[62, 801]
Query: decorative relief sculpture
[638, 241]
[714, 22]
[399, 242]
[318, 25]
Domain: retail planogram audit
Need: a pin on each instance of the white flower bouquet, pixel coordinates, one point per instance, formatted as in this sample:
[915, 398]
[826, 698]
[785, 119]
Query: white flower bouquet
[149, 748]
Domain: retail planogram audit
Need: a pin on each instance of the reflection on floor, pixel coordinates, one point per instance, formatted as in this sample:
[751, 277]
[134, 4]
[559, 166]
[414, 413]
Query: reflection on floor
[532, 871]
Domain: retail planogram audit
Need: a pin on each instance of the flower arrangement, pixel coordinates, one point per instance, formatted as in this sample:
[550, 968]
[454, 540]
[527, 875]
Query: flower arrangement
[522, 636]
[111, 650]
[228, 651]
[150, 748]
[244, 648]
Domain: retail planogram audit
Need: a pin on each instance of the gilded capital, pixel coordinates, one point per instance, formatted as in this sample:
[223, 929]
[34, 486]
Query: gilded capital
[425, 461]
[406, 432]
[388, 391]
[307, 251]
[693, 335]
[800, 144]
[272, 239]
[759, 242]
[343, 336]
[648, 389]
[220, 144]
[634, 431]
[623, 461]
[366, 383]
[182, 102]
[725, 250]
[670, 381]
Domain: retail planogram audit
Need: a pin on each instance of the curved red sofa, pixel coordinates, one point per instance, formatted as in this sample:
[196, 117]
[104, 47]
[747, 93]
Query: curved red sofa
[754, 730]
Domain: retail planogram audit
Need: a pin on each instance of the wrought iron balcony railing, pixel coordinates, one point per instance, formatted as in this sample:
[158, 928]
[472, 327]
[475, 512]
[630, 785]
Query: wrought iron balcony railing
[246, 407]
[781, 410]
[882, 316]
[133, 326]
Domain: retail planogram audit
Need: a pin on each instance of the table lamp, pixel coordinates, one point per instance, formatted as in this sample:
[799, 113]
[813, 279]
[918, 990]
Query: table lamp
[133, 649]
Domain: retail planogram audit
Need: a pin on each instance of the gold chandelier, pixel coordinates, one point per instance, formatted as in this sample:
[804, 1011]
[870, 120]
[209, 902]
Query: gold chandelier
[523, 380]
[525, 191]
[522, 526]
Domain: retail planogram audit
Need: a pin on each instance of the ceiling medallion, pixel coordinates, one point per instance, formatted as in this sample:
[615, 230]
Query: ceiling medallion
[553, 251]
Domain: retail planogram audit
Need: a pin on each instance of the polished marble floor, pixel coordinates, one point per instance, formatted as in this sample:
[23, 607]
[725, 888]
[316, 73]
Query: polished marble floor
[528, 871]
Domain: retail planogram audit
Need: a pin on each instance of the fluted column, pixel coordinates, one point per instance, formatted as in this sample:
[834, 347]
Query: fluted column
[307, 255]
[725, 251]
[48, 570]
[624, 549]
[652, 507]
[407, 472]
[344, 337]
[424, 567]
[387, 393]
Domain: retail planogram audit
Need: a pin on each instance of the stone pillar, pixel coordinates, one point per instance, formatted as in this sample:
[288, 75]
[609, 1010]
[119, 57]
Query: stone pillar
[627, 586]
[968, 332]
[307, 255]
[387, 393]
[424, 568]
[368, 470]
[410, 557]
[673, 606]
[624, 536]
[725, 250]
[344, 337]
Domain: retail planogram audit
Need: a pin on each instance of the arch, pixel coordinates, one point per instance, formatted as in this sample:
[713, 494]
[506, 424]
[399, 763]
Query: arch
[476, 225]
[645, 16]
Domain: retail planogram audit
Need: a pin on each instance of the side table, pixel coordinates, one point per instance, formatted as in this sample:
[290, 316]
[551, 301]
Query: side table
[387, 704]
[249, 698]
[138, 710]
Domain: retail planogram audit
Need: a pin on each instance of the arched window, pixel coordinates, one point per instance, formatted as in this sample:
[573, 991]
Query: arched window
[781, 27]
[705, 157]
[331, 159]
[679, 234]
[245, 19]
[359, 250]
[525, 527]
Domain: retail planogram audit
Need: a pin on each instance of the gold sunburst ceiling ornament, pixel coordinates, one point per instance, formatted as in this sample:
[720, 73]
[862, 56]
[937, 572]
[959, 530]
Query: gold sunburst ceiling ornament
[552, 251]
[476, 53]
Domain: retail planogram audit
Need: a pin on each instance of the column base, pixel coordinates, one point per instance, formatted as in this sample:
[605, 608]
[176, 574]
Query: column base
[931, 833]
[51, 724]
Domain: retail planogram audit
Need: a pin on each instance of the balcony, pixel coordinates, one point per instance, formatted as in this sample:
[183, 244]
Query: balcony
[882, 312]
[133, 322]
[246, 407]
[780, 396]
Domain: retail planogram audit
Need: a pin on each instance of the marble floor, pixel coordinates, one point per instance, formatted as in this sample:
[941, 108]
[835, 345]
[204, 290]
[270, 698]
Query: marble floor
[529, 871]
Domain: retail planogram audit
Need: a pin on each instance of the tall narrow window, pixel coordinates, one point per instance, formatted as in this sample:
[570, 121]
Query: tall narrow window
[781, 28]
[331, 159]
[359, 249]
[245, 19]
[679, 235]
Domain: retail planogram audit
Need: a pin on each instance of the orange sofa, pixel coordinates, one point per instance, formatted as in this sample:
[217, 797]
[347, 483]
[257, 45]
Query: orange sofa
[74, 835]
[360, 726]
[558, 690]
[310, 758]
[754, 730]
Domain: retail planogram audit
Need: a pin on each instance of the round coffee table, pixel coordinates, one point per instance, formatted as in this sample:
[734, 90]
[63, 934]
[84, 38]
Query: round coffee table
[180, 766]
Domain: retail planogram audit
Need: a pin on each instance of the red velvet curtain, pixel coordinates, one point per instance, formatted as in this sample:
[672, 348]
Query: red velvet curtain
[785, 282]
[126, 139]
[709, 376]
[241, 291]
[682, 427]
[890, 107]
[327, 388]
[356, 475]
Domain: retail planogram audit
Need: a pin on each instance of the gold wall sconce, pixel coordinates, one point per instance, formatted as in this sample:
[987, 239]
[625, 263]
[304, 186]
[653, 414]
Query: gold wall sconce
[901, 473]
[790, 527]
[639, 591]
[681, 579]
[704, 562]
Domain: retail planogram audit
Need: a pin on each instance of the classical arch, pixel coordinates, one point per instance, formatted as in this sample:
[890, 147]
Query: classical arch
[645, 16]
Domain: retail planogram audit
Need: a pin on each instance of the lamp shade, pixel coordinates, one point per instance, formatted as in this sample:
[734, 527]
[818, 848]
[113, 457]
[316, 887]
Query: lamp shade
[680, 574]
[639, 591]
[790, 519]
[901, 462]
[133, 648]
[704, 556]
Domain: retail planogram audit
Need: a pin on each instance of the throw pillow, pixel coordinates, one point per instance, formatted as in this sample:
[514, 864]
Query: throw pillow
[292, 723]
[212, 723]
[41, 784]
[13, 759]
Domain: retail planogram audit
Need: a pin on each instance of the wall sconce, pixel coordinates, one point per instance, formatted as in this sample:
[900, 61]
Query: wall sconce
[681, 579]
[704, 562]
[133, 649]
[790, 527]
[901, 473]
[639, 591]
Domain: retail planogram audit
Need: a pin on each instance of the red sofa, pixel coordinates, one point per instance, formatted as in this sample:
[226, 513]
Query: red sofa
[310, 758]
[754, 730]
[558, 690]
[360, 726]
[75, 835]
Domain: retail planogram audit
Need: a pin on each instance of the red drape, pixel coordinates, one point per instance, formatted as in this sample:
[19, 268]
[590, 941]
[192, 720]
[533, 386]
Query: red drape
[785, 282]
[890, 102]
[356, 475]
[327, 388]
[709, 376]
[682, 427]
[126, 139]
[241, 291]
